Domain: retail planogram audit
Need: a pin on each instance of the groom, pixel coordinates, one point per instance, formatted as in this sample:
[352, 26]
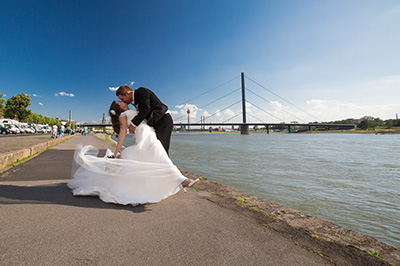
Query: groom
[150, 108]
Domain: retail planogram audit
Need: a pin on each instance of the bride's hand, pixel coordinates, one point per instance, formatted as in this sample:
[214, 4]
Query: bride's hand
[118, 155]
[132, 129]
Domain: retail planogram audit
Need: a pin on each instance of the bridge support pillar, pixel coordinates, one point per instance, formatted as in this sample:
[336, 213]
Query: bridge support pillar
[267, 128]
[244, 129]
[289, 128]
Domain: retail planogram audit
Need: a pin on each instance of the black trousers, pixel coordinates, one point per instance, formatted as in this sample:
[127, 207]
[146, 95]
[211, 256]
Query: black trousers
[163, 130]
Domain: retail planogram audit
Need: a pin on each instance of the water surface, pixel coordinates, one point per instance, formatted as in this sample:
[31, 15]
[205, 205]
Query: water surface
[350, 179]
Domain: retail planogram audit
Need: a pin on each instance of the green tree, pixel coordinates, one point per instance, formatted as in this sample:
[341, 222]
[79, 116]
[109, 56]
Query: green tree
[389, 123]
[282, 126]
[371, 124]
[378, 122]
[346, 121]
[16, 107]
[34, 118]
[54, 121]
[2, 101]
[365, 124]
[392, 123]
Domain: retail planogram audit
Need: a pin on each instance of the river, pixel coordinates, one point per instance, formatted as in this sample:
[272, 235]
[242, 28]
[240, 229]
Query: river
[352, 180]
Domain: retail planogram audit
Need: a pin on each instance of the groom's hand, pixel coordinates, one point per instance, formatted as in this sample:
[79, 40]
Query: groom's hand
[132, 129]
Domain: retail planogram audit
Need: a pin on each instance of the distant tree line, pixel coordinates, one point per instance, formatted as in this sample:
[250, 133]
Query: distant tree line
[372, 123]
[16, 108]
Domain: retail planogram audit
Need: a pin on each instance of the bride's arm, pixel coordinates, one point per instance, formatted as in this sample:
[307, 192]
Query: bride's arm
[121, 135]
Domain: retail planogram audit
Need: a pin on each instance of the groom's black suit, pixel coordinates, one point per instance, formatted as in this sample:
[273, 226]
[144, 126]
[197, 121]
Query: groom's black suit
[152, 109]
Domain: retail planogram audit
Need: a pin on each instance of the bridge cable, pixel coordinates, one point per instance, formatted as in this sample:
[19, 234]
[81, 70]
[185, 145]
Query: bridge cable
[212, 102]
[220, 98]
[231, 118]
[282, 98]
[220, 111]
[256, 118]
[265, 111]
[270, 102]
[209, 91]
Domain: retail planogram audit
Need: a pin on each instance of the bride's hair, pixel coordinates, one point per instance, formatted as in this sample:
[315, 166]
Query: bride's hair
[115, 111]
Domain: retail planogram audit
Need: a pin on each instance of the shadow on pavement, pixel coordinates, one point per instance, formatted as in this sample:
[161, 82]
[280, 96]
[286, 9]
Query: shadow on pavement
[58, 194]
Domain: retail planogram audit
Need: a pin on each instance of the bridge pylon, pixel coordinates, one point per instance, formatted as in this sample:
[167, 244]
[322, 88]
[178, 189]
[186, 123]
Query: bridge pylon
[244, 129]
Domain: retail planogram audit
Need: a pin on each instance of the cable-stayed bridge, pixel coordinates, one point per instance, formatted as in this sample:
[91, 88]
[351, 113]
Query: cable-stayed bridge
[244, 123]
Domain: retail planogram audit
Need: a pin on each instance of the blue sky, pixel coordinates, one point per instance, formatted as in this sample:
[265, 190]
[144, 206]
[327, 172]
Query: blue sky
[327, 60]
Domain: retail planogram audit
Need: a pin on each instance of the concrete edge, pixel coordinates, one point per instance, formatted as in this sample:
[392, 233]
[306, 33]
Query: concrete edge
[101, 135]
[340, 245]
[12, 157]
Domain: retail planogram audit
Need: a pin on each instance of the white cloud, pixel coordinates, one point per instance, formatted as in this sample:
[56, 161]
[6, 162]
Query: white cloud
[318, 104]
[197, 114]
[276, 105]
[35, 95]
[131, 83]
[328, 110]
[183, 108]
[229, 113]
[40, 103]
[64, 94]
[206, 114]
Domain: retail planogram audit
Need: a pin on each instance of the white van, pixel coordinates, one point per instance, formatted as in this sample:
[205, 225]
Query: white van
[26, 127]
[12, 128]
[6, 121]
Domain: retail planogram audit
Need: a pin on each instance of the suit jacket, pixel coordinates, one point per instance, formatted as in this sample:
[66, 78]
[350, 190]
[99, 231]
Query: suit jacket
[150, 107]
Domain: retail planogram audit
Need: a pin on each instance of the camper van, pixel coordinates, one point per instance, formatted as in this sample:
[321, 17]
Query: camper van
[12, 128]
[27, 128]
[8, 121]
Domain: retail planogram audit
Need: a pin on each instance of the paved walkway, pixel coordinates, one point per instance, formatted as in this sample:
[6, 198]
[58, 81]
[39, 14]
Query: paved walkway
[9, 143]
[43, 224]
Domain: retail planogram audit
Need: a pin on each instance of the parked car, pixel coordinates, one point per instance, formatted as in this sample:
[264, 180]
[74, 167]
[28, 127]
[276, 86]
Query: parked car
[39, 129]
[26, 127]
[32, 126]
[4, 130]
[20, 129]
[46, 129]
[12, 128]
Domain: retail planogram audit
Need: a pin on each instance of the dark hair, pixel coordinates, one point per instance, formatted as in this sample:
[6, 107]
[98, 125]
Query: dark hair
[123, 90]
[117, 110]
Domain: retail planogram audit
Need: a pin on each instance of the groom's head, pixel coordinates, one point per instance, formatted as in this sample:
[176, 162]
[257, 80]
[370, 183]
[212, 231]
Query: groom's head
[125, 93]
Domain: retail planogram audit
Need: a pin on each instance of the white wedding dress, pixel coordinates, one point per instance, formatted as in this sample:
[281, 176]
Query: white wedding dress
[143, 174]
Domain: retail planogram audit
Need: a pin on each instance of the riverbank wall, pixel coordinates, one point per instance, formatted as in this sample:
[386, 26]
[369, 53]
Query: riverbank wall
[10, 158]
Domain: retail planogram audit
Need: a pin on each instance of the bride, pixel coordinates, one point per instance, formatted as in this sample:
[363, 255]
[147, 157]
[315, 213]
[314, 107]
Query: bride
[143, 172]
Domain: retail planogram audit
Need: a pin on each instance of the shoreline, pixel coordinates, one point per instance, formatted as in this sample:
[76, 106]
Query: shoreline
[310, 232]
[307, 231]
[392, 132]
[335, 243]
